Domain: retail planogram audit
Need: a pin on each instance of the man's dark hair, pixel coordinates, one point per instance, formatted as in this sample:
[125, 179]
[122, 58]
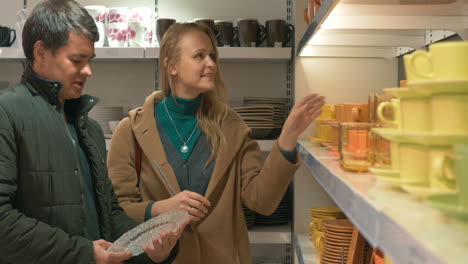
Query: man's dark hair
[52, 21]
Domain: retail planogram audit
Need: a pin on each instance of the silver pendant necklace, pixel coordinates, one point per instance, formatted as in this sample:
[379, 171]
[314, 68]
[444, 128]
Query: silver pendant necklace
[184, 148]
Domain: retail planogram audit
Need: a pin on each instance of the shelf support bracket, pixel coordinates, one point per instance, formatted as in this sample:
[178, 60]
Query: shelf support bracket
[437, 35]
[404, 50]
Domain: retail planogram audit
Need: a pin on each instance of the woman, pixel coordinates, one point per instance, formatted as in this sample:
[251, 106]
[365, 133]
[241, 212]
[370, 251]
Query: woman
[197, 155]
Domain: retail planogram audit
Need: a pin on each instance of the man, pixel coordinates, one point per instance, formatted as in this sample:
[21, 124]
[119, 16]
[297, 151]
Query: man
[57, 204]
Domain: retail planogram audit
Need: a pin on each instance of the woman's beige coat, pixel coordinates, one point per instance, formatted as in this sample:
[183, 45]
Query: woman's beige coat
[221, 237]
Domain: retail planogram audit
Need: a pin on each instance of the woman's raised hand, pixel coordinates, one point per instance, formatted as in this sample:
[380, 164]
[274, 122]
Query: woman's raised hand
[300, 117]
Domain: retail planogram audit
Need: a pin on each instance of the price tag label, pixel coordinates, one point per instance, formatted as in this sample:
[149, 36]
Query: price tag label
[253, 44]
[278, 44]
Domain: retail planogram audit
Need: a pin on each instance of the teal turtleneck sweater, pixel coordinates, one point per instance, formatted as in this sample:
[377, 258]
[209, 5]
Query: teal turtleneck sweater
[184, 115]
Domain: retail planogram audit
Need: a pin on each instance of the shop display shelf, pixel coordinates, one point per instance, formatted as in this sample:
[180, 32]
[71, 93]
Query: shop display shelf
[108, 53]
[402, 225]
[381, 28]
[233, 54]
[305, 250]
[11, 53]
[270, 234]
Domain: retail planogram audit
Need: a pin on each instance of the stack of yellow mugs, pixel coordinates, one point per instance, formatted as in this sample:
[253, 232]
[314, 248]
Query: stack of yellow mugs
[429, 134]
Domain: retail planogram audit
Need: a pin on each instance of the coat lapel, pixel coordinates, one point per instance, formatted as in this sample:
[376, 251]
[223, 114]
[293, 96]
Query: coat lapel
[146, 133]
[235, 136]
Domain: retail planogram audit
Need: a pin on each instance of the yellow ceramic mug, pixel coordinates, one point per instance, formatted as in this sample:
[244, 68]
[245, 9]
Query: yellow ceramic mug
[441, 170]
[444, 61]
[454, 167]
[328, 112]
[326, 133]
[394, 104]
[416, 60]
[414, 165]
[461, 167]
[449, 113]
[411, 113]
[394, 153]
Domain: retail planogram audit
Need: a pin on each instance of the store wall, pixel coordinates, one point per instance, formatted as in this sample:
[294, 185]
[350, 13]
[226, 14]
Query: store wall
[343, 80]
[10, 73]
[129, 82]
[307, 193]
[8, 12]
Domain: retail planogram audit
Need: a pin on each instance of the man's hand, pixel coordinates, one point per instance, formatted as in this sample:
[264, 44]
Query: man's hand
[101, 256]
[163, 246]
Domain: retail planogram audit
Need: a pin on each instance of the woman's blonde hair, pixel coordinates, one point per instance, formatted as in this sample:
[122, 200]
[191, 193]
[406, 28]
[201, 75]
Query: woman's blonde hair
[212, 109]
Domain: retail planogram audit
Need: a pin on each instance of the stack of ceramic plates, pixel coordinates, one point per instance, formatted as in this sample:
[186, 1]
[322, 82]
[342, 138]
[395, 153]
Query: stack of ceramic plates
[337, 241]
[280, 216]
[265, 116]
[249, 216]
[279, 105]
[319, 214]
[104, 114]
[326, 211]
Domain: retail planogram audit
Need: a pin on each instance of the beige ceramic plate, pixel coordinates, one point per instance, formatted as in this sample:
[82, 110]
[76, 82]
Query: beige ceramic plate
[389, 177]
[334, 258]
[424, 191]
[326, 261]
[385, 172]
[396, 182]
[336, 247]
[439, 86]
[402, 92]
[334, 252]
[326, 213]
[338, 239]
[337, 235]
[321, 215]
[340, 224]
[326, 209]
[422, 138]
[337, 243]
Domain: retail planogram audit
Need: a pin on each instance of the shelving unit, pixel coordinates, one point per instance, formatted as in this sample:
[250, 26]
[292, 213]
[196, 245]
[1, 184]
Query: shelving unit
[400, 224]
[11, 53]
[274, 234]
[305, 250]
[363, 28]
[235, 54]
[351, 49]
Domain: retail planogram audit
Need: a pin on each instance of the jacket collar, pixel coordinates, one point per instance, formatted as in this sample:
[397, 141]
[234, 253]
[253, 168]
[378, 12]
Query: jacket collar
[145, 132]
[50, 90]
